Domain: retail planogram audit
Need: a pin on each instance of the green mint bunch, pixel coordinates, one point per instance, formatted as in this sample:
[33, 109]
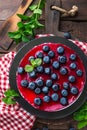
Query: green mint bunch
[81, 116]
[34, 63]
[9, 97]
[28, 24]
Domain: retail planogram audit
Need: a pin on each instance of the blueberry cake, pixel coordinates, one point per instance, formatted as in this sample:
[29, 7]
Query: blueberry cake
[54, 81]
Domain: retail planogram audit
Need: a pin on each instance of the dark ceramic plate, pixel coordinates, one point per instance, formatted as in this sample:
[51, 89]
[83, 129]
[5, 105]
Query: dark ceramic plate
[12, 78]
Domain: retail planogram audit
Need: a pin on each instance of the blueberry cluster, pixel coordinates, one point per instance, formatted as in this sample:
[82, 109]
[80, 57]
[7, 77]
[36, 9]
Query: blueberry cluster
[40, 86]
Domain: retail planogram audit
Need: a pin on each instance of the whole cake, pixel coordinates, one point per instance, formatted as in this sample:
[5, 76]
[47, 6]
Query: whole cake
[50, 77]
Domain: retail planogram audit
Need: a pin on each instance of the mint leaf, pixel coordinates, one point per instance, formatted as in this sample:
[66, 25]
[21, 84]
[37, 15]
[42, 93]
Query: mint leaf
[78, 116]
[33, 63]
[33, 7]
[12, 34]
[28, 68]
[37, 11]
[25, 39]
[42, 4]
[20, 24]
[17, 36]
[11, 93]
[82, 124]
[39, 24]
[38, 61]
[8, 100]
[23, 17]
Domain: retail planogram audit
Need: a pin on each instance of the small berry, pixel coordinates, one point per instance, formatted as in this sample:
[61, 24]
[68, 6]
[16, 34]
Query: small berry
[66, 85]
[39, 82]
[56, 65]
[31, 57]
[31, 85]
[55, 97]
[73, 65]
[45, 128]
[63, 101]
[72, 128]
[71, 78]
[32, 74]
[40, 69]
[74, 90]
[46, 48]
[39, 54]
[46, 98]
[37, 101]
[72, 57]
[79, 72]
[24, 83]
[60, 50]
[55, 87]
[37, 90]
[67, 35]
[47, 71]
[45, 90]
[49, 83]
[54, 76]
[20, 70]
[46, 59]
[64, 92]
[63, 71]
[51, 54]
[62, 59]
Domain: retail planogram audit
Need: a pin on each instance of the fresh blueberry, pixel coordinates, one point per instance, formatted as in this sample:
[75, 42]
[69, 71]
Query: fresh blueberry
[56, 65]
[46, 98]
[47, 70]
[67, 35]
[45, 90]
[55, 87]
[63, 101]
[32, 74]
[74, 90]
[79, 72]
[37, 90]
[38, 101]
[72, 128]
[31, 85]
[46, 59]
[63, 71]
[40, 69]
[46, 48]
[20, 70]
[31, 57]
[45, 128]
[55, 97]
[73, 65]
[24, 83]
[71, 78]
[62, 59]
[49, 83]
[66, 85]
[39, 54]
[60, 50]
[54, 76]
[64, 92]
[72, 57]
[51, 54]
[39, 82]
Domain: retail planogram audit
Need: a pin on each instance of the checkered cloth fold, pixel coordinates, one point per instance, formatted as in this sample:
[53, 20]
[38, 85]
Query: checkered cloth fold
[14, 117]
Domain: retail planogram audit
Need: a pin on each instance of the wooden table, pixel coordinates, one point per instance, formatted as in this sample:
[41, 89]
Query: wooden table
[77, 26]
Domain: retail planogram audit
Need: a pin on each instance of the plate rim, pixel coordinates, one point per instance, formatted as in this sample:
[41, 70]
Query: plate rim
[12, 78]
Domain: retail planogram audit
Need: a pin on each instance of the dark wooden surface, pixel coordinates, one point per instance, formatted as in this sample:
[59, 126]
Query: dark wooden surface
[77, 26]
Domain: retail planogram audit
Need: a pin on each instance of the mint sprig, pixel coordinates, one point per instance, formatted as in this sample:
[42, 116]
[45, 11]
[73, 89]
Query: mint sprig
[28, 24]
[81, 116]
[34, 63]
[9, 97]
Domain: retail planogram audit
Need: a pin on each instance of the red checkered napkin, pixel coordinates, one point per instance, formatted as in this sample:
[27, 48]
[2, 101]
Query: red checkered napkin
[13, 117]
